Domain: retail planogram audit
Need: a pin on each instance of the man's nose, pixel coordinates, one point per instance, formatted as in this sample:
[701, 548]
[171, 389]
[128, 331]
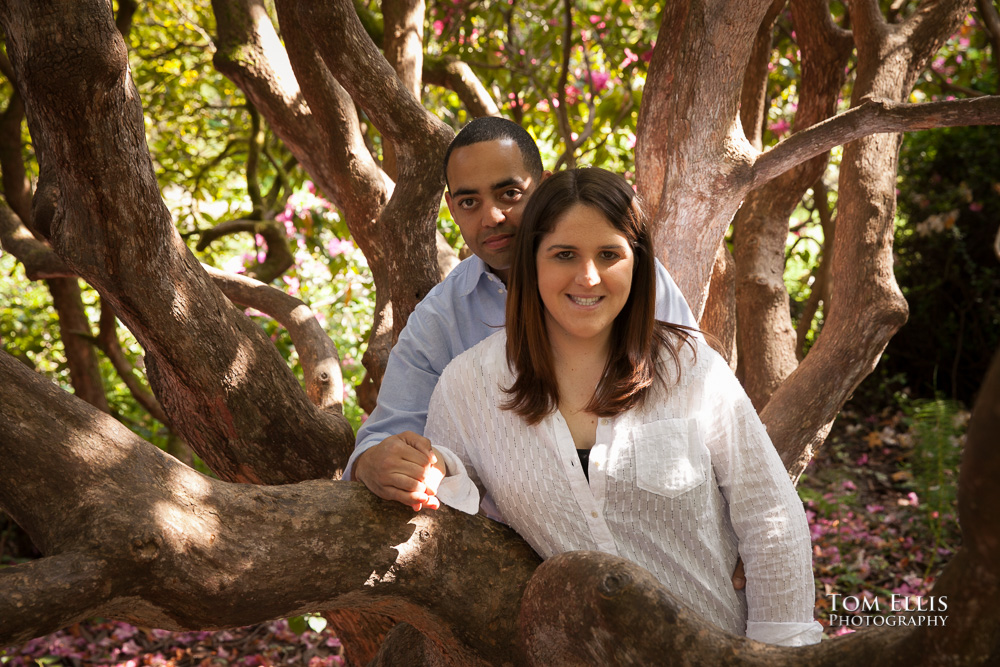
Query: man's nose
[493, 216]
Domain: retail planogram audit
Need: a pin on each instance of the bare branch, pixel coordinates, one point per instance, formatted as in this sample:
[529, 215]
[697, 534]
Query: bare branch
[561, 115]
[403, 46]
[47, 594]
[317, 353]
[945, 84]
[753, 96]
[16, 187]
[868, 23]
[874, 116]
[347, 50]
[459, 77]
[299, 547]
[991, 20]
[40, 261]
[107, 342]
[279, 256]
[255, 143]
[126, 10]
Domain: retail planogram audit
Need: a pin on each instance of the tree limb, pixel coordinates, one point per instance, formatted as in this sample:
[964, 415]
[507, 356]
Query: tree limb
[317, 353]
[420, 140]
[107, 342]
[278, 257]
[193, 552]
[40, 262]
[458, 76]
[873, 116]
[991, 20]
[44, 595]
[16, 186]
[403, 46]
[126, 10]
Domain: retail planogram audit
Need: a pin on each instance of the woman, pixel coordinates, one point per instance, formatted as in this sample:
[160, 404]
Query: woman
[592, 426]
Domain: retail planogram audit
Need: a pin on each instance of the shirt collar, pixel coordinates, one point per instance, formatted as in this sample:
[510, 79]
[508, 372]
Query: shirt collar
[478, 272]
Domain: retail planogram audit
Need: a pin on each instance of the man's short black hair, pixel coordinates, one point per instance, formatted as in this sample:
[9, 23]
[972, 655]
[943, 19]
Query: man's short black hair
[491, 128]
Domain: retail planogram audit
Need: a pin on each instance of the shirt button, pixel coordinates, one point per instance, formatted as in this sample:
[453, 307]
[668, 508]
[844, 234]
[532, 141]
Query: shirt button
[605, 421]
[593, 514]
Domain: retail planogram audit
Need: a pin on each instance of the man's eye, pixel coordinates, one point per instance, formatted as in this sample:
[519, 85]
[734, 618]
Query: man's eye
[467, 203]
[512, 194]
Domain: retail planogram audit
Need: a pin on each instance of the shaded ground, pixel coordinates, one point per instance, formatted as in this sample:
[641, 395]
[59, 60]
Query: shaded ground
[880, 497]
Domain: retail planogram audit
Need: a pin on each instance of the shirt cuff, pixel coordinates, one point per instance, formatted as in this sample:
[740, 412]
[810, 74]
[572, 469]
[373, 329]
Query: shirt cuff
[785, 634]
[457, 490]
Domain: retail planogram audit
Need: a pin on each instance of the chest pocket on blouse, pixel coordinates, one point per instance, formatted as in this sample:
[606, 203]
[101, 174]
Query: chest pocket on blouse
[670, 458]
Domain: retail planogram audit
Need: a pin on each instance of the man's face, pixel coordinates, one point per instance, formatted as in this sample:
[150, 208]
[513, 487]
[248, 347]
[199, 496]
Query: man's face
[488, 188]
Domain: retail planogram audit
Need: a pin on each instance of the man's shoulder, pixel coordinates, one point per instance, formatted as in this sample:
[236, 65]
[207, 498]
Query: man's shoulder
[461, 281]
[449, 296]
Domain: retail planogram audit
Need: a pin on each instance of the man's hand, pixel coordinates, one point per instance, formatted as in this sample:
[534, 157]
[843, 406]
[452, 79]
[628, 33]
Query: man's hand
[402, 468]
[739, 576]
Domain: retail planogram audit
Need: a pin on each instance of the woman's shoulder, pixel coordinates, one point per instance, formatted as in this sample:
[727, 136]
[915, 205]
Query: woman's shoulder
[695, 356]
[486, 358]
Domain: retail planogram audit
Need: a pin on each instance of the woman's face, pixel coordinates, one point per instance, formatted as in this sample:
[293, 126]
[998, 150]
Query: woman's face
[584, 275]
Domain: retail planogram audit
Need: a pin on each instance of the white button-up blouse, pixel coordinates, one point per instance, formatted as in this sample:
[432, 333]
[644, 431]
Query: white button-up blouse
[681, 486]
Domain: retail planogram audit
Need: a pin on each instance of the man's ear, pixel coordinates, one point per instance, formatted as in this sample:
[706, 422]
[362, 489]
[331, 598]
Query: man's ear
[546, 174]
[448, 200]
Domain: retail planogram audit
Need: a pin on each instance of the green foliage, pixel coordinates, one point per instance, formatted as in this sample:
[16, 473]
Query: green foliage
[936, 427]
[948, 206]
[29, 327]
[517, 51]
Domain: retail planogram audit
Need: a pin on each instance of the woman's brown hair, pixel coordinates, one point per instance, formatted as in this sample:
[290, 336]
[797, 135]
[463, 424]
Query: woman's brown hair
[638, 337]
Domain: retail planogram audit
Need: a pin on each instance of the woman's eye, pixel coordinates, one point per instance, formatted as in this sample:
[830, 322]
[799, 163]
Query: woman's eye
[609, 255]
[565, 254]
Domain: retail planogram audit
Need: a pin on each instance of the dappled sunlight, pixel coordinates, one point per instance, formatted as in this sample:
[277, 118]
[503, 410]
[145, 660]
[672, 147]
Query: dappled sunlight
[407, 552]
[239, 369]
[184, 527]
[286, 84]
[179, 304]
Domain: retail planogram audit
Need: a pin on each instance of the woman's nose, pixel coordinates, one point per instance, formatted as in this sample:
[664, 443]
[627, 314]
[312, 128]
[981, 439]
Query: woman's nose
[588, 275]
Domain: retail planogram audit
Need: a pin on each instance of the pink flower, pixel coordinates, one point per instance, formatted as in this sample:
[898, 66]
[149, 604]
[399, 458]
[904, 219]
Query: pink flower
[976, 207]
[779, 127]
[438, 27]
[600, 80]
[338, 247]
[130, 648]
[310, 187]
[629, 58]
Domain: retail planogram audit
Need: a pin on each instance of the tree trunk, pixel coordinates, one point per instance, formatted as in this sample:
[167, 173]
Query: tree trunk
[767, 337]
[218, 377]
[869, 306]
[76, 335]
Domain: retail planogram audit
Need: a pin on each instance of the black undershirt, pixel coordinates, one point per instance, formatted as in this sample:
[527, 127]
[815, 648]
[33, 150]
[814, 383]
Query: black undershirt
[585, 461]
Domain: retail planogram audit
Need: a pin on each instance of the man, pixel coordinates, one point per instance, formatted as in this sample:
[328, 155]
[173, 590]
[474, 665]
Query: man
[491, 168]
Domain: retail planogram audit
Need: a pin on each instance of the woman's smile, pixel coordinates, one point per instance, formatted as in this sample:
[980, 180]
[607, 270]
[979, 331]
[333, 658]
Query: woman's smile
[584, 275]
